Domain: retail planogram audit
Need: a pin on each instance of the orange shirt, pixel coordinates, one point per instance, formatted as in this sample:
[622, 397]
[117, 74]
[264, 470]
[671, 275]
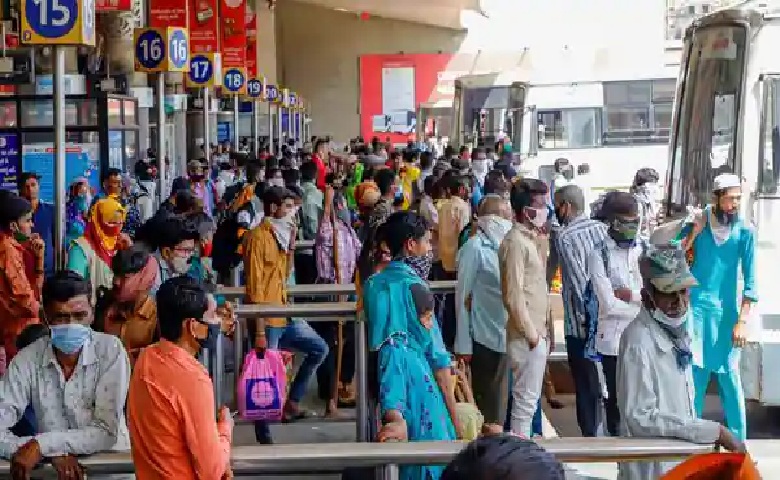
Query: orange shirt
[19, 299]
[172, 420]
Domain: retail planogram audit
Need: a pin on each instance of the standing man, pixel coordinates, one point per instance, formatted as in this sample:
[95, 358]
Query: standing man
[577, 237]
[43, 216]
[723, 246]
[522, 261]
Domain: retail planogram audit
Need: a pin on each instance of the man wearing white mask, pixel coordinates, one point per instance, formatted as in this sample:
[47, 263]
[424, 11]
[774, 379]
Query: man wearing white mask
[523, 264]
[480, 338]
[268, 251]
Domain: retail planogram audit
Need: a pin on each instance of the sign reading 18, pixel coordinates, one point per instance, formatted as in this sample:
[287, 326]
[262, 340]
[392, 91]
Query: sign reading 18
[234, 80]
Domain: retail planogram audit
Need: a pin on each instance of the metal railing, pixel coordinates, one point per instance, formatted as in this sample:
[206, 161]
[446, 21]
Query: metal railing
[335, 457]
[331, 289]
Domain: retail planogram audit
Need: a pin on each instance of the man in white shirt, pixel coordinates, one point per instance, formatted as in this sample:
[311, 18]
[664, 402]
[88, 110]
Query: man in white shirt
[76, 381]
[616, 281]
[654, 378]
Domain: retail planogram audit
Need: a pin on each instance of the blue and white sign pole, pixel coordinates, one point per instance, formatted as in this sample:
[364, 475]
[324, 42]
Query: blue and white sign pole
[59, 156]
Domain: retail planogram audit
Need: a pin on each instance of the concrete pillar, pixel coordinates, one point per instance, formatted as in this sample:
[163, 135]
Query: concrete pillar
[266, 41]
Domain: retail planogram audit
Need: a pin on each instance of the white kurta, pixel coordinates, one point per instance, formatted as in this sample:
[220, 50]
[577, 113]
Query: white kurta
[655, 397]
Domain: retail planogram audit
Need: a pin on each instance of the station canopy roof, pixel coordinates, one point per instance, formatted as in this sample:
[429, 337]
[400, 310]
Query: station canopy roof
[440, 13]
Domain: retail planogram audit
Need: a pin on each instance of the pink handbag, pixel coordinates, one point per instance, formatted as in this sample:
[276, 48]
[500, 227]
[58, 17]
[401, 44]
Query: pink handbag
[262, 387]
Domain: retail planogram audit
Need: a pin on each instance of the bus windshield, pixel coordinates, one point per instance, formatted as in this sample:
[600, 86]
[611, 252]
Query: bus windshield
[709, 101]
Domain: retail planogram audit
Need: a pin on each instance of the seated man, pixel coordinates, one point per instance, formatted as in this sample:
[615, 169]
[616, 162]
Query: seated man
[76, 381]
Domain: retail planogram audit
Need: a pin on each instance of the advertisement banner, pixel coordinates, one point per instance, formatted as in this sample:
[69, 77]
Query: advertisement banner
[9, 160]
[113, 5]
[168, 13]
[251, 42]
[204, 26]
[81, 160]
[232, 16]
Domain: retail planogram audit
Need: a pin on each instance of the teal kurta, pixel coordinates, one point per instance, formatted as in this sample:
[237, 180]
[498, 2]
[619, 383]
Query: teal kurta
[715, 302]
[408, 355]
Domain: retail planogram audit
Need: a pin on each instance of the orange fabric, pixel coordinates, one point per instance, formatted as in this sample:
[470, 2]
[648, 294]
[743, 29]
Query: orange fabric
[19, 301]
[265, 265]
[715, 466]
[171, 418]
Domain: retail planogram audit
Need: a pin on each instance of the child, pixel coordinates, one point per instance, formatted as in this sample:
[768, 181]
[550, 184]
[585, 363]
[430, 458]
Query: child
[424, 304]
[25, 427]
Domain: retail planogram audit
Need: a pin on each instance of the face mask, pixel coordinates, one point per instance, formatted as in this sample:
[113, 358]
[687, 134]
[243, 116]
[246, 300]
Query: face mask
[276, 182]
[624, 233]
[673, 322]
[210, 342]
[420, 264]
[69, 338]
[179, 264]
[112, 230]
[540, 218]
[20, 237]
[80, 202]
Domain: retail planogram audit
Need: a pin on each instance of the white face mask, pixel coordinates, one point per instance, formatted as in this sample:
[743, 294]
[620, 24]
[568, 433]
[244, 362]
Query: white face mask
[276, 182]
[179, 264]
[540, 217]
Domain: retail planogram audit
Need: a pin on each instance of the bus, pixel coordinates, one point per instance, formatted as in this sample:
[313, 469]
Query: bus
[727, 116]
[616, 123]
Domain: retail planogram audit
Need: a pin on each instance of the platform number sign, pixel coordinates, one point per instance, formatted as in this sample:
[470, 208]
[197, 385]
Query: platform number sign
[272, 93]
[58, 22]
[292, 100]
[235, 80]
[201, 69]
[254, 88]
[179, 49]
[149, 50]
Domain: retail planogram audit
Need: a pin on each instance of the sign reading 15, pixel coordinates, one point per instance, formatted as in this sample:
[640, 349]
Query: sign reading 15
[51, 18]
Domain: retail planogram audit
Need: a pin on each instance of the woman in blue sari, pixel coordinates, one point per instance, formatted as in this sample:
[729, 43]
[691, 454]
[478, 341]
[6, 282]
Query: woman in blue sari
[415, 397]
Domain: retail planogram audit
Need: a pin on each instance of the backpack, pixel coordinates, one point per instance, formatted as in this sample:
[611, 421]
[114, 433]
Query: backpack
[224, 255]
[349, 248]
[591, 304]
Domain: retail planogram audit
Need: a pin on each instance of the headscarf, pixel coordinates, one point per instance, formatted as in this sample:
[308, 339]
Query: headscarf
[105, 210]
[140, 281]
[389, 305]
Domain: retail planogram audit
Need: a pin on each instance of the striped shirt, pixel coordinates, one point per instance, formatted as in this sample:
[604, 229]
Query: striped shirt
[574, 243]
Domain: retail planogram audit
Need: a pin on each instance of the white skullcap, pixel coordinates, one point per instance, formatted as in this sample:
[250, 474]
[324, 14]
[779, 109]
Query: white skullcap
[726, 180]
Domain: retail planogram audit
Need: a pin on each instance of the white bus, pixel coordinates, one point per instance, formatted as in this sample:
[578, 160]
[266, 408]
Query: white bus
[616, 126]
[728, 114]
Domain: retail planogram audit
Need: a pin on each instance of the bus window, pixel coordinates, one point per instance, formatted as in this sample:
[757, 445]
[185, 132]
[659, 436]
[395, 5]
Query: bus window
[769, 169]
[708, 115]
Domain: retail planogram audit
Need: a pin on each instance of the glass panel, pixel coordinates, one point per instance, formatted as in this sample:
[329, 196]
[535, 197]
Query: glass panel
[131, 146]
[663, 91]
[129, 112]
[115, 159]
[87, 111]
[626, 125]
[615, 93]
[639, 92]
[37, 113]
[576, 128]
[7, 114]
[662, 121]
[770, 141]
[114, 111]
[708, 114]
[82, 137]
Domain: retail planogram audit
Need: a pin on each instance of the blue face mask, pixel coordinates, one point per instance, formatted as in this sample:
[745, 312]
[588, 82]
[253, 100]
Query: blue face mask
[81, 203]
[70, 337]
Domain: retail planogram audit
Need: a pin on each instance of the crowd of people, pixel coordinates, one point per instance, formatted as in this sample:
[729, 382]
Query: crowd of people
[103, 353]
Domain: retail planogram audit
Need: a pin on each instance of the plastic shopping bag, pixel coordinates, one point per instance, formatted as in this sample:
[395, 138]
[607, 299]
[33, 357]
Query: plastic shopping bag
[262, 387]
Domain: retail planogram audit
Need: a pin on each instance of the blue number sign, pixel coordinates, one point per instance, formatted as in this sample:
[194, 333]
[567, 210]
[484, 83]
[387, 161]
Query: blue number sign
[178, 48]
[292, 100]
[254, 88]
[234, 80]
[51, 18]
[149, 50]
[272, 93]
[201, 69]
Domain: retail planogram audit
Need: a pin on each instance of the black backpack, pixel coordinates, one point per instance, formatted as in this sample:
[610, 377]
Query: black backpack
[224, 255]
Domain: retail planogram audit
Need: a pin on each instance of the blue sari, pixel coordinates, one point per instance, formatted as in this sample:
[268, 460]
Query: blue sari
[408, 355]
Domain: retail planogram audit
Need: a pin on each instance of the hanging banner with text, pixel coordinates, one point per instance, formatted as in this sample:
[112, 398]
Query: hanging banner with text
[168, 13]
[204, 26]
[113, 5]
[232, 16]
[251, 42]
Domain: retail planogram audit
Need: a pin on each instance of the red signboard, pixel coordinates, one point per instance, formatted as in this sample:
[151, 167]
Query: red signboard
[232, 17]
[113, 5]
[377, 72]
[251, 42]
[168, 13]
[204, 26]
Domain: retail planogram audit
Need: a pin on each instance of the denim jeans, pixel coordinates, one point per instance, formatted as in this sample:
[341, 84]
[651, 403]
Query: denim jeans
[587, 388]
[297, 336]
